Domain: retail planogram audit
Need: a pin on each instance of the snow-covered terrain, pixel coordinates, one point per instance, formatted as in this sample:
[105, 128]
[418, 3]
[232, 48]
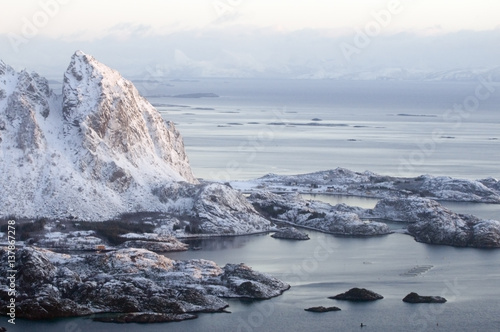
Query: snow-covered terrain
[211, 208]
[340, 219]
[368, 184]
[93, 152]
[430, 222]
[53, 285]
[99, 151]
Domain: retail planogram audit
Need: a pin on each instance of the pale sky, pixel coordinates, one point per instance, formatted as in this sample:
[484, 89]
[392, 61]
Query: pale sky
[91, 19]
[286, 38]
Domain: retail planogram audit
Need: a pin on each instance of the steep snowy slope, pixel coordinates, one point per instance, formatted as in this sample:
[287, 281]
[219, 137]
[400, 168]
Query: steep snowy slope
[93, 153]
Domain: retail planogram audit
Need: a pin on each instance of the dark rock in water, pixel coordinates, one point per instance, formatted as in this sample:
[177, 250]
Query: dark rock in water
[144, 318]
[197, 95]
[257, 286]
[415, 298]
[290, 233]
[358, 295]
[322, 309]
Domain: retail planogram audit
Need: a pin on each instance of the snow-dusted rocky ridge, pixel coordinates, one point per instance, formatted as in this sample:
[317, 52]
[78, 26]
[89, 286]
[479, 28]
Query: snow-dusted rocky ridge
[129, 280]
[403, 199]
[93, 152]
[340, 219]
[101, 150]
[368, 184]
[430, 222]
[211, 208]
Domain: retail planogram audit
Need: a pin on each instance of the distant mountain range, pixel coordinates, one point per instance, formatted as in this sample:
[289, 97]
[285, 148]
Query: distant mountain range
[203, 69]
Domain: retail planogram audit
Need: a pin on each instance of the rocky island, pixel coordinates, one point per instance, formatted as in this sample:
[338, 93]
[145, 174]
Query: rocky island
[415, 298]
[430, 222]
[357, 295]
[54, 285]
[290, 233]
[292, 208]
[368, 184]
[322, 309]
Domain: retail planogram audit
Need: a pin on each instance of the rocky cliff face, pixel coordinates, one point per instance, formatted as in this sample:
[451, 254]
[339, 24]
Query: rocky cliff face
[94, 152]
[109, 119]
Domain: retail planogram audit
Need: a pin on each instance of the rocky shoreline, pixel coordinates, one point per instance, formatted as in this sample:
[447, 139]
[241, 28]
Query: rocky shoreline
[341, 181]
[52, 285]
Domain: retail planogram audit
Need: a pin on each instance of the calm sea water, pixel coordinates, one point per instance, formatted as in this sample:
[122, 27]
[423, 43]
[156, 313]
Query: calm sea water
[289, 127]
[297, 126]
[327, 265]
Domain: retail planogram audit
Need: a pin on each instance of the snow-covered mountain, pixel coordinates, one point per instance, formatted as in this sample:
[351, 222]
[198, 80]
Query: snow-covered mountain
[94, 152]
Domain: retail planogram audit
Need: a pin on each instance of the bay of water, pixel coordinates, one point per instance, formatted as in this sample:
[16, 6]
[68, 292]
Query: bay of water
[290, 127]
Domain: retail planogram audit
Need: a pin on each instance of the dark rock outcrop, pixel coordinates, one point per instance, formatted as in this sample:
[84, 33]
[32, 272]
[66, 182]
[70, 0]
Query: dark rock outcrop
[357, 295]
[415, 298]
[322, 309]
[290, 233]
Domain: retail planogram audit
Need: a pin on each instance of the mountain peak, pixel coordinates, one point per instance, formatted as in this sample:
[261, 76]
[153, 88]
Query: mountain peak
[100, 143]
